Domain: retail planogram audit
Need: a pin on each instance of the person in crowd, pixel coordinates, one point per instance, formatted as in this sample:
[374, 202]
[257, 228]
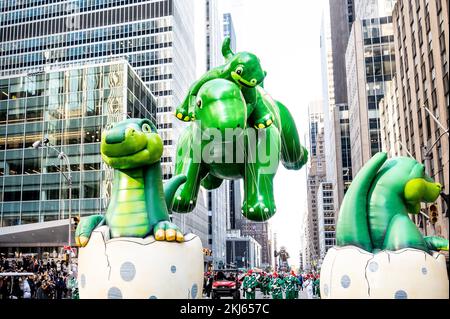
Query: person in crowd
[26, 289]
[308, 285]
[316, 285]
[291, 283]
[209, 283]
[300, 280]
[276, 286]
[249, 284]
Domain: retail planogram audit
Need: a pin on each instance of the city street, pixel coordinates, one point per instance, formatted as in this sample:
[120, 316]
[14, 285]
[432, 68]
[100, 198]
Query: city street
[259, 295]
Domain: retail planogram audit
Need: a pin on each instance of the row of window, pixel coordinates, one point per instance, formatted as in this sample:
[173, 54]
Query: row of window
[95, 19]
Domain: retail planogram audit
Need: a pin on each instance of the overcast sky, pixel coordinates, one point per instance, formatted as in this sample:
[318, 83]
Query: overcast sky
[285, 34]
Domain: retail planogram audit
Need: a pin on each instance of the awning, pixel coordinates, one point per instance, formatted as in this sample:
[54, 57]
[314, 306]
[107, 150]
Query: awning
[47, 234]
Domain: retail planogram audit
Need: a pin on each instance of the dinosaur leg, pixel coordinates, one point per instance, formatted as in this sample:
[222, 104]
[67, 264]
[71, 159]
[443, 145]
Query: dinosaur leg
[184, 110]
[293, 154]
[262, 160]
[85, 228]
[168, 231]
[436, 243]
[261, 116]
[211, 182]
[189, 165]
[403, 233]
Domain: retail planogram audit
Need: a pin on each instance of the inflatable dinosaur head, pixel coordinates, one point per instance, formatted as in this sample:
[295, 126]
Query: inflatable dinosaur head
[220, 105]
[420, 188]
[244, 68]
[132, 143]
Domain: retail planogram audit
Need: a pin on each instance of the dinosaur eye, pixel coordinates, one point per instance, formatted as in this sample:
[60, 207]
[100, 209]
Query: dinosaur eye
[146, 128]
[253, 81]
[239, 70]
[199, 103]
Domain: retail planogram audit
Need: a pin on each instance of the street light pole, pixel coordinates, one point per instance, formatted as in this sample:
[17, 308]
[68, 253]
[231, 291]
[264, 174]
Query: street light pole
[436, 120]
[62, 156]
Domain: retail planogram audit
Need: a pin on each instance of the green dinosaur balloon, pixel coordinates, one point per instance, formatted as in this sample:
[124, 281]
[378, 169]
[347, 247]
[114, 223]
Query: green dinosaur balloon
[221, 109]
[374, 213]
[138, 205]
[245, 70]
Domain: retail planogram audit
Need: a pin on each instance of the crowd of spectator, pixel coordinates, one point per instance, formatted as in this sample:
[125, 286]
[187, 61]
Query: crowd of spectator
[49, 279]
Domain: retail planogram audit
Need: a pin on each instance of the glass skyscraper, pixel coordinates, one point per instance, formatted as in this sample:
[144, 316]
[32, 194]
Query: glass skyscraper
[156, 37]
[370, 62]
[70, 107]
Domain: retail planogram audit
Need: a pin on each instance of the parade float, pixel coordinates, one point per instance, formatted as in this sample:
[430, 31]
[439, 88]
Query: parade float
[237, 131]
[134, 251]
[380, 253]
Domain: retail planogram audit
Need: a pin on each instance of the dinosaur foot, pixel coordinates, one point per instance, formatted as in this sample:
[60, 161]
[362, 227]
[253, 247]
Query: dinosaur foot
[297, 164]
[258, 211]
[85, 228]
[182, 204]
[168, 231]
[264, 122]
[184, 116]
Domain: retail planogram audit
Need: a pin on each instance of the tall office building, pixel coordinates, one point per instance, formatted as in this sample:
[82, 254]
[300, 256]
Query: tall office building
[70, 107]
[155, 37]
[421, 37]
[326, 219]
[337, 20]
[370, 64]
[228, 30]
[390, 121]
[218, 203]
[315, 176]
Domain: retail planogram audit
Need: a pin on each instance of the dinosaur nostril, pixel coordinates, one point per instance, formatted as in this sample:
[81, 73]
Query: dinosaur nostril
[238, 126]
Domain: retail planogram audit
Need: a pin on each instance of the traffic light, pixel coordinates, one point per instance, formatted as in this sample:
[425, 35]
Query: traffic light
[207, 252]
[433, 214]
[75, 221]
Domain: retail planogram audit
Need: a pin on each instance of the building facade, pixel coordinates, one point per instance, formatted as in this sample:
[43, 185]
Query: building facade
[261, 232]
[337, 21]
[370, 64]
[70, 107]
[326, 217]
[316, 174]
[243, 252]
[155, 36]
[390, 121]
[421, 37]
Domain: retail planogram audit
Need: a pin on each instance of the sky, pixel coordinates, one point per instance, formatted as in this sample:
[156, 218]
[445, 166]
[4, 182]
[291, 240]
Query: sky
[285, 35]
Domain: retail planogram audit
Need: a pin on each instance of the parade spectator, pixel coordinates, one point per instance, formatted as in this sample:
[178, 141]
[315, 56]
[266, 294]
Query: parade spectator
[50, 279]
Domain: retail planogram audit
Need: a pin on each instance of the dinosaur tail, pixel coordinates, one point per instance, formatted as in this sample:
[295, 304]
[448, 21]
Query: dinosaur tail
[226, 49]
[352, 226]
[293, 154]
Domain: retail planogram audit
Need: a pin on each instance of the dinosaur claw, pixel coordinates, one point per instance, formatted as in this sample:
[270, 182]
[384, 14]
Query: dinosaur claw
[82, 241]
[187, 119]
[269, 122]
[180, 237]
[179, 115]
[261, 126]
[160, 235]
[170, 235]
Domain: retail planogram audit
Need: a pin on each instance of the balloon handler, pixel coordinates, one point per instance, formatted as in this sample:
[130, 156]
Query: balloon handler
[374, 230]
[292, 283]
[249, 285]
[264, 281]
[118, 247]
[276, 286]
